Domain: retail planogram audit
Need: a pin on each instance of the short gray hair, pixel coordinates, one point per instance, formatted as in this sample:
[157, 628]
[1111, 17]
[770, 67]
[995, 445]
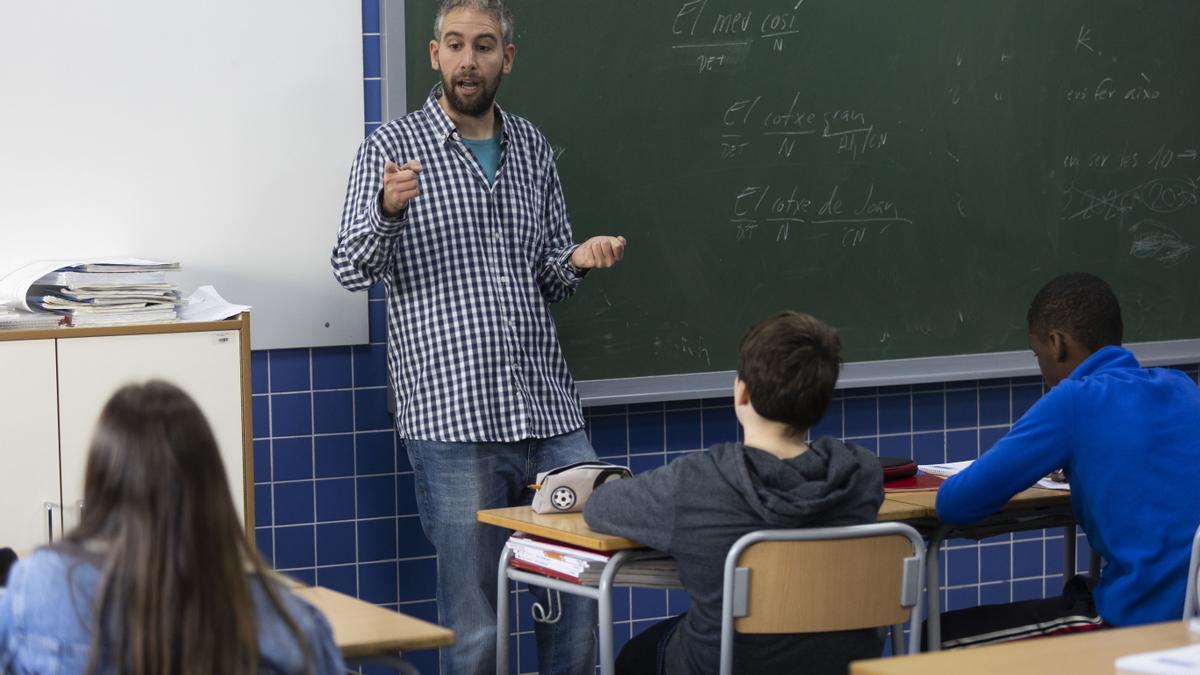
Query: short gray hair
[496, 8]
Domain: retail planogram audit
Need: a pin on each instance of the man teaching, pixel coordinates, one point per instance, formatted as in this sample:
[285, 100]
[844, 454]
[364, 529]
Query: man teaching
[457, 209]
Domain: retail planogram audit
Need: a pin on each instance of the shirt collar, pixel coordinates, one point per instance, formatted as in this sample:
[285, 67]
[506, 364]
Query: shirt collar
[443, 126]
[1105, 358]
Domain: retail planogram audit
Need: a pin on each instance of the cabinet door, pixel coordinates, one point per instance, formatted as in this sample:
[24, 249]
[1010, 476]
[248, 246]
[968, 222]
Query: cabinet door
[207, 365]
[28, 445]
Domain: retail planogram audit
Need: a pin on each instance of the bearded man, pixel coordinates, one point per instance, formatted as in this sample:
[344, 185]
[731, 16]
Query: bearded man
[457, 209]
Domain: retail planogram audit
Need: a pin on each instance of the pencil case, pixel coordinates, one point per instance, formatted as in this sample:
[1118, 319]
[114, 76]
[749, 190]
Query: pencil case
[566, 489]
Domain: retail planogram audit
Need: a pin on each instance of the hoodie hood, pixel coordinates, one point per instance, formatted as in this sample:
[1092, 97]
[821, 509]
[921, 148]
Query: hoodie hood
[829, 482]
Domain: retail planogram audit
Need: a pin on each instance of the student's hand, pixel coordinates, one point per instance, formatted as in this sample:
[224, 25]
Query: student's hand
[400, 185]
[598, 252]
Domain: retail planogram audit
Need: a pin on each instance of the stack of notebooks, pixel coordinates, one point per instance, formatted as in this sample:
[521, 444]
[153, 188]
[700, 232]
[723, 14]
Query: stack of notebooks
[19, 318]
[104, 294]
[584, 566]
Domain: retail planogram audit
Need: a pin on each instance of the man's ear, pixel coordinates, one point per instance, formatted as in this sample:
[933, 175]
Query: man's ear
[510, 55]
[741, 393]
[433, 55]
[1059, 345]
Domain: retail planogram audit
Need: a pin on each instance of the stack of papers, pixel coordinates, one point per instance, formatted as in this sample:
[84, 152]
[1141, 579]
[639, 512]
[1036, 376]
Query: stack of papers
[551, 558]
[584, 566]
[659, 571]
[950, 468]
[19, 318]
[108, 292]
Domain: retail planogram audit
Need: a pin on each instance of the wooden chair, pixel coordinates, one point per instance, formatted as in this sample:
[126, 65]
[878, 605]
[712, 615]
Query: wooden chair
[823, 579]
[1190, 608]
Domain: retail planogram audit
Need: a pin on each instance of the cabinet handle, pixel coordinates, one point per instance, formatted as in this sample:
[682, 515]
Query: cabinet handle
[49, 506]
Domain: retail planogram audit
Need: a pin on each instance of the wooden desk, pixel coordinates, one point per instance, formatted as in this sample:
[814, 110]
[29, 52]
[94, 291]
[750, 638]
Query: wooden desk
[1035, 508]
[1029, 499]
[364, 630]
[894, 508]
[567, 528]
[570, 528]
[1032, 509]
[1092, 652]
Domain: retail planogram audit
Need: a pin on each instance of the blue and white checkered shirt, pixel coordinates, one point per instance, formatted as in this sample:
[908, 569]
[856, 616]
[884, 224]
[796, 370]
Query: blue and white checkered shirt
[470, 269]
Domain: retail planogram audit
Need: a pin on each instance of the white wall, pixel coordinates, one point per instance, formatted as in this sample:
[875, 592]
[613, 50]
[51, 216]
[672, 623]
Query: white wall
[217, 133]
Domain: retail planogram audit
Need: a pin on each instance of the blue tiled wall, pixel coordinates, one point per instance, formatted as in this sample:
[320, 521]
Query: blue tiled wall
[334, 489]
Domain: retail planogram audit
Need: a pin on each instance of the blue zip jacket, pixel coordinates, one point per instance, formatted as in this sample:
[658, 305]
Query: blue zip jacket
[1129, 439]
[46, 617]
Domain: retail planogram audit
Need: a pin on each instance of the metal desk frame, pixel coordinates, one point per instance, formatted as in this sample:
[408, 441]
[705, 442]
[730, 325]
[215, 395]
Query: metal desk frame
[602, 594]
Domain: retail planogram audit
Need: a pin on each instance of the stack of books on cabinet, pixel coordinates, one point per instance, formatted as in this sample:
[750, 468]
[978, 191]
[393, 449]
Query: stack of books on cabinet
[105, 294]
[11, 317]
[584, 566]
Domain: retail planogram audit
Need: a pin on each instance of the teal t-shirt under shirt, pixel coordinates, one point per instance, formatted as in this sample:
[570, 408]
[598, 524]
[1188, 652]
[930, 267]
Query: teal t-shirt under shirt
[487, 153]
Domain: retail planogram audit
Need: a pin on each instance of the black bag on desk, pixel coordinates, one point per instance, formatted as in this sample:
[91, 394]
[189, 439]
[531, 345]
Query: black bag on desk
[897, 467]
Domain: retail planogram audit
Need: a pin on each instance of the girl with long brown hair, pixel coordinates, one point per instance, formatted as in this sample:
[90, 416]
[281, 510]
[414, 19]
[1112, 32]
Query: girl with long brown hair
[158, 579]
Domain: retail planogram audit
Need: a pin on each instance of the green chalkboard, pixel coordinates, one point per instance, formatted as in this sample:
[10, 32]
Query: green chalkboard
[909, 171]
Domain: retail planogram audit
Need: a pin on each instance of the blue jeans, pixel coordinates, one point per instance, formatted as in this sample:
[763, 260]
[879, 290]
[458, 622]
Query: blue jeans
[453, 481]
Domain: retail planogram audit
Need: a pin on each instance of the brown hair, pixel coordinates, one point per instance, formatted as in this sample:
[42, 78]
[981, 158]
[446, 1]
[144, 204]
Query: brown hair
[174, 595]
[495, 8]
[789, 363]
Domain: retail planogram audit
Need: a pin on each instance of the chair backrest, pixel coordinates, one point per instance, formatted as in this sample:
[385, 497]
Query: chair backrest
[1191, 600]
[822, 579]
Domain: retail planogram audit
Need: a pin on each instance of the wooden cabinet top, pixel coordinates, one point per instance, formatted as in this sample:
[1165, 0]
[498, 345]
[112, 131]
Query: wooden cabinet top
[62, 332]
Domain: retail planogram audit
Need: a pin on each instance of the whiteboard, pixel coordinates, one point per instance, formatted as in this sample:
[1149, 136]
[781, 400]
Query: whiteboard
[217, 133]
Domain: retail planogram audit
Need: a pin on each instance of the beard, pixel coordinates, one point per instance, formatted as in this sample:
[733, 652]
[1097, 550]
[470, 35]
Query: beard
[471, 107]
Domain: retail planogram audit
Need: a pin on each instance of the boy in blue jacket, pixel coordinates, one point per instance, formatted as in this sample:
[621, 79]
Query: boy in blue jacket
[697, 506]
[1128, 439]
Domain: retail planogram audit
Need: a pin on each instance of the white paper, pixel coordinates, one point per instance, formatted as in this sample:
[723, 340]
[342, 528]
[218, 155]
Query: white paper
[950, 468]
[206, 304]
[1182, 660]
[14, 285]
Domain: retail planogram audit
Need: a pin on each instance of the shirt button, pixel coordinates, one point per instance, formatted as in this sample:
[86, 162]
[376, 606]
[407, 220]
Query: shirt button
[498, 237]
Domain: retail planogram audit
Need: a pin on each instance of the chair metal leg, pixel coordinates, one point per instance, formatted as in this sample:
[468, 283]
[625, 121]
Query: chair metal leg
[898, 639]
[933, 578]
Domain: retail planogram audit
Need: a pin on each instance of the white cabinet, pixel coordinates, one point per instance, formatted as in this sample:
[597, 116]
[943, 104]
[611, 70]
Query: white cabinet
[29, 486]
[56, 385]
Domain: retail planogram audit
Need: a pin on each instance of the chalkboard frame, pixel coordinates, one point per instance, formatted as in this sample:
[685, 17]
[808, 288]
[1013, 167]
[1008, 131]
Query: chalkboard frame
[920, 370]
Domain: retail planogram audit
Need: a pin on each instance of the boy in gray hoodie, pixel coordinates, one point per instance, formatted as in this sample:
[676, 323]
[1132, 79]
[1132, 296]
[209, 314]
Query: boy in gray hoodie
[697, 506]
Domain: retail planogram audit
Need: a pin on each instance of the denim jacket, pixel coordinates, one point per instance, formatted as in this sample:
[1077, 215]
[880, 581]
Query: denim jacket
[46, 616]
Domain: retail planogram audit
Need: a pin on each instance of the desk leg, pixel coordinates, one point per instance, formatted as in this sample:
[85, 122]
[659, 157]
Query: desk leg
[502, 612]
[1068, 552]
[604, 624]
[933, 577]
